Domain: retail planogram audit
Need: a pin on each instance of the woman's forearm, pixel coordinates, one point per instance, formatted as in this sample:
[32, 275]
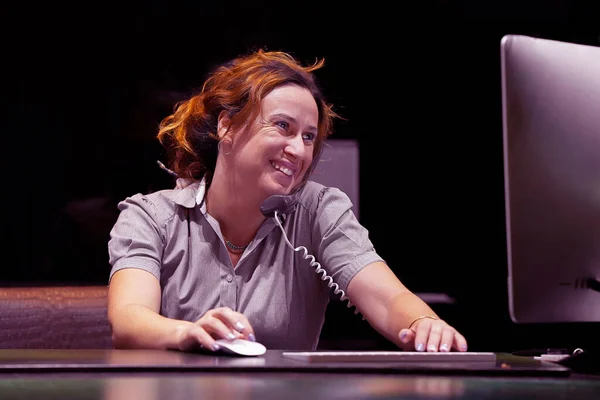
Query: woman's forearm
[385, 302]
[137, 326]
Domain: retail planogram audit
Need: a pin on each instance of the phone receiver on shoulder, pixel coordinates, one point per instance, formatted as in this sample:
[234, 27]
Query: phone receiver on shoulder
[280, 203]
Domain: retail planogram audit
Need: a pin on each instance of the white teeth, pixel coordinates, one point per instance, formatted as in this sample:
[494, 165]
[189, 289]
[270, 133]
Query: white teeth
[285, 170]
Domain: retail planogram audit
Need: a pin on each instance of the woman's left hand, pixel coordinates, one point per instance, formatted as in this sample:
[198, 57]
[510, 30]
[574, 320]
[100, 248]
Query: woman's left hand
[432, 335]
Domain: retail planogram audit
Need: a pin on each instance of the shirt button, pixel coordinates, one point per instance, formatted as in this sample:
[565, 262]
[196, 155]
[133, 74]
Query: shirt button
[229, 277]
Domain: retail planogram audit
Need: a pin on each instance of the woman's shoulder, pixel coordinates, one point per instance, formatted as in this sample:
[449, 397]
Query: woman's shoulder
[315, 194]
[163, 203]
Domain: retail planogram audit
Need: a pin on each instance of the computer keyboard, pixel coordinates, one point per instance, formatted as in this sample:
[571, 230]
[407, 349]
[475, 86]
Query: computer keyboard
[388, 356]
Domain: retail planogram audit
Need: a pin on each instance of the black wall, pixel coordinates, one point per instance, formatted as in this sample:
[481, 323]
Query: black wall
[418, 85]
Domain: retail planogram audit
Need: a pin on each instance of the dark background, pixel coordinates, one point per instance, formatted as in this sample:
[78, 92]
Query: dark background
[419, 85]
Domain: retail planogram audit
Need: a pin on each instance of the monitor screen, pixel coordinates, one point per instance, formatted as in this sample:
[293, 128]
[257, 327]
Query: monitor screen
[551, 132]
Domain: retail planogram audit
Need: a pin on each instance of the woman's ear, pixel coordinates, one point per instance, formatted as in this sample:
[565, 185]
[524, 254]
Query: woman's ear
[223, 124]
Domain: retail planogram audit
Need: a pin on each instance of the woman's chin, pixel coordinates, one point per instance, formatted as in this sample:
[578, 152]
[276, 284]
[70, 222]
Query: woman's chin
[276, 187]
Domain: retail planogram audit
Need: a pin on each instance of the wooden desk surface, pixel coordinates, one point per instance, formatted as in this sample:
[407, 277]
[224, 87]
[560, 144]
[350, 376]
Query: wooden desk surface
[39, 360]
[170, 375]
[286, 386]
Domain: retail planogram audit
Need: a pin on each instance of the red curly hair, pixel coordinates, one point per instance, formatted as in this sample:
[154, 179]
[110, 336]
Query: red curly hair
[238, 87]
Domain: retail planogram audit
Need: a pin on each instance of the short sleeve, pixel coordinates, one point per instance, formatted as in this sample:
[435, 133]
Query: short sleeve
[136, 240]
[342, 243]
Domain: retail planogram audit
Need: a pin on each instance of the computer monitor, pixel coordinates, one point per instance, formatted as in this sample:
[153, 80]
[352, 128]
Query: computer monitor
[551, 132]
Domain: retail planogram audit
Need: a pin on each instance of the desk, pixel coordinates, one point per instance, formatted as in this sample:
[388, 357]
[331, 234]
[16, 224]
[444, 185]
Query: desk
[158, 375]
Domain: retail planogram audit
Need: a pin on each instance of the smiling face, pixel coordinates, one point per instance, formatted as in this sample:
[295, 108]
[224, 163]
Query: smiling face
[275, 150]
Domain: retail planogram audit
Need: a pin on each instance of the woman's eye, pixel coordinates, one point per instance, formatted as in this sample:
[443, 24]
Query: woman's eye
[310, 137]
[283, 124]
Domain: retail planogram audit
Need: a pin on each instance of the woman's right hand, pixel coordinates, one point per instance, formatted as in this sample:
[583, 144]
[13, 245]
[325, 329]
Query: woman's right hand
[218, 323]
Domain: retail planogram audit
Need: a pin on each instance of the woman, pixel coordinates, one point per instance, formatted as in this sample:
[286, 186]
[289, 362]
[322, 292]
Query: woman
[202, 262]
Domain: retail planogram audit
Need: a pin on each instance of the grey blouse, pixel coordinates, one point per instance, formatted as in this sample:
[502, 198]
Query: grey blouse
[169, 234]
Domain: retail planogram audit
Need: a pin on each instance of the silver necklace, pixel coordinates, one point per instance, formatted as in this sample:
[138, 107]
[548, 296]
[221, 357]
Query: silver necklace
[234, 247]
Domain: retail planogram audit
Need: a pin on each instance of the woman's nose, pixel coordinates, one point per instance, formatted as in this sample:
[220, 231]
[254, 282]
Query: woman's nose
[295, 146]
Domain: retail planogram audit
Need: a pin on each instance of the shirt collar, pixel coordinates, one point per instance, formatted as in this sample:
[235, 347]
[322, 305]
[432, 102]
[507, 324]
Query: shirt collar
[192, 195]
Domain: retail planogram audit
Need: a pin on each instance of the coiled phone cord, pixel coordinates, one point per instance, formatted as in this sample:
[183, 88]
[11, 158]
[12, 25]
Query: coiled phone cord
[318, 269]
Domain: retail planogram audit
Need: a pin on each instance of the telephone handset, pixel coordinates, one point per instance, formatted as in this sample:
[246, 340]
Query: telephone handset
[276, 205]
[279, 204]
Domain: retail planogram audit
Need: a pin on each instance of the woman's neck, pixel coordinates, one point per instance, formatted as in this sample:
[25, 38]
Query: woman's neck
[239, 216]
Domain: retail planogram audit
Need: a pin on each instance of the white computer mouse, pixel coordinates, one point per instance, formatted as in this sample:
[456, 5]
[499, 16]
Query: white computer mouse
[241, 347]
